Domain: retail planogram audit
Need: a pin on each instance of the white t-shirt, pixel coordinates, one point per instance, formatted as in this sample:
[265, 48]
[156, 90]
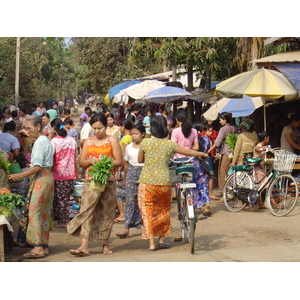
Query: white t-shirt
[131, 155]
[86, 131]
[284, 144]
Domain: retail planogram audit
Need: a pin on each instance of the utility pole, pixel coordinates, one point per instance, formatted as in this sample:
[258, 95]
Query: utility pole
[17, 72]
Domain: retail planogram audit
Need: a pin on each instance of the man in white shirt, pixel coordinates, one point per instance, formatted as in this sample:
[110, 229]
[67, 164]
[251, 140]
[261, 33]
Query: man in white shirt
[86, 130]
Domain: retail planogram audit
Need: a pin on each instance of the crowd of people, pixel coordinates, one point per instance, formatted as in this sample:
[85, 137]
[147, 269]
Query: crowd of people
[140, 141]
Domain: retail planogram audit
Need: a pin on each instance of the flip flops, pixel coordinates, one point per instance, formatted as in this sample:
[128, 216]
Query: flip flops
[32, 254]
[122, 236]
[163, 246]
[206, 213]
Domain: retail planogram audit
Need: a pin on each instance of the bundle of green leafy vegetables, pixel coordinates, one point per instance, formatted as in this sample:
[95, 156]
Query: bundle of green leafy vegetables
[8, 202]
[101, 170]
[4, 164]
[230, 140]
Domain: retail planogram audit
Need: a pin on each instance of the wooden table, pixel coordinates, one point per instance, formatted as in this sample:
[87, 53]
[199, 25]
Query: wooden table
[297, 164]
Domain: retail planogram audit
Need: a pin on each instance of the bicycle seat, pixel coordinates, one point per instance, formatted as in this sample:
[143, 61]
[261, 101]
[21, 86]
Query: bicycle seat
[251, 160]
[241, 168]
[185, 169]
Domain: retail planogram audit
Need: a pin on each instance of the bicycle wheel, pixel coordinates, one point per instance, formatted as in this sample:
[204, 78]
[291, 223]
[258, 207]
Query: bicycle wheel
[190, 222]
[282, 195]
[235, 180]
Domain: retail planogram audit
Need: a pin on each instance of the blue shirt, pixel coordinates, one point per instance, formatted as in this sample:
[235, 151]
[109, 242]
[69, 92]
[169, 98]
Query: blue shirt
[8, 142]
[42, 153]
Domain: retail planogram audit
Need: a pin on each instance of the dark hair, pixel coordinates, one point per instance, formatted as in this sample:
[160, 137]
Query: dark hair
[59, 127]
[1, 115]
[186, 126]
[110, 116]
[21, 159]
[294, 118]
[262, 135]
[67, 111]
[198, 126]
[10, 126]
[87, 108]
[33, 105]
[140, 127]
[126, 123]
[207, 127]
[100, 117]
[41, 102]
[132, 118]
[158, 127]
[226, 116]
[14, 113]
[22, 109]
[68, 121]
[45, 115]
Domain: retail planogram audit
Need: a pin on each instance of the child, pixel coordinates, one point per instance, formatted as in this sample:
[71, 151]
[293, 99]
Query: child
[132, 170]
[69, 125]
[67, 114]
[146, 122]
[125, 129]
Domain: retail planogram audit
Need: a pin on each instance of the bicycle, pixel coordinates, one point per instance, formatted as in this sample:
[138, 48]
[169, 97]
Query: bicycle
[281, 187]
[184, 198]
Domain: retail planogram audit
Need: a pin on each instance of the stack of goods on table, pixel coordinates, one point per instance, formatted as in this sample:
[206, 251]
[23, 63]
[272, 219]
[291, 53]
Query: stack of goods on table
[74, 203]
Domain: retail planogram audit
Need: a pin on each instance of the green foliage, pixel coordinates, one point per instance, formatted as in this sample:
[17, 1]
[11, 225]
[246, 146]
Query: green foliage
[230, 140]
[4, 164]
[8, 202]
[101, 170]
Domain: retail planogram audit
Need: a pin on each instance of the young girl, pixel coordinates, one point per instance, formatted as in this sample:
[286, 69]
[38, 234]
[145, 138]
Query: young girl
[125, 129]
[146, 122]
[132, 170]
[69, 126]
[154, 192]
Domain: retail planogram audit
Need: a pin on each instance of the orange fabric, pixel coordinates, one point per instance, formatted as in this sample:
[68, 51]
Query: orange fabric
[155, 203]
[93, 151]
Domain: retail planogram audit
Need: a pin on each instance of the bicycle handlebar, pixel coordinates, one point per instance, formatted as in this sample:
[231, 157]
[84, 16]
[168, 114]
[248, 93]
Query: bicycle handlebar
[182, 161]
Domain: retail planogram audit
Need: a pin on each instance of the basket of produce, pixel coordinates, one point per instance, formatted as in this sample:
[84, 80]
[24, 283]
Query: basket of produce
[9, 202]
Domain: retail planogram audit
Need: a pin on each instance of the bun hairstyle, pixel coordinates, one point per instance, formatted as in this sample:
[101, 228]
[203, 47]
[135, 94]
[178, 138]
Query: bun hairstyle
[186, 126]
[226, 116]
[59, 127]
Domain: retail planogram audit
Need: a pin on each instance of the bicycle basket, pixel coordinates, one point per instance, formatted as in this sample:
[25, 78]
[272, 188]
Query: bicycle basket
[284, 160]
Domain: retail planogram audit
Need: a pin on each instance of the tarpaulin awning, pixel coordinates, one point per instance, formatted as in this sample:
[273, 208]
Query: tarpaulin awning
[291, 71]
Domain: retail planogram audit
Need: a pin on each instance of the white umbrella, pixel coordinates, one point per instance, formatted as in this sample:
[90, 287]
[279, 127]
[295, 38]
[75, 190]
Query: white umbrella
[239, 107]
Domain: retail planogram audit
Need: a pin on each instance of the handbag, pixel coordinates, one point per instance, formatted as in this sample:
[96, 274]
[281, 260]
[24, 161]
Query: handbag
[15, 168]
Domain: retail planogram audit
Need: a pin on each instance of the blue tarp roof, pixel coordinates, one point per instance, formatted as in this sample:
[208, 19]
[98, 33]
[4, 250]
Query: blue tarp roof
[291, 71]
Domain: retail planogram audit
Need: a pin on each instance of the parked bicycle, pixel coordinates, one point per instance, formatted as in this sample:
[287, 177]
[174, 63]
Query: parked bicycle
[281, 187]
[184, 197]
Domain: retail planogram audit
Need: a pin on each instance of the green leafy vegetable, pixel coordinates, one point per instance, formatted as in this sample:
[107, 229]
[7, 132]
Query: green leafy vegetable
[4, 164]
[231, 140]
[101, 170]
[8, 202]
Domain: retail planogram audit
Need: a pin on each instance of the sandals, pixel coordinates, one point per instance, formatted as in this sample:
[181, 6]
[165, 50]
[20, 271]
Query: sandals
[206, 213]
[105, 252]
[79, 252]
[122, 236]
[163, 246]
[32, 254]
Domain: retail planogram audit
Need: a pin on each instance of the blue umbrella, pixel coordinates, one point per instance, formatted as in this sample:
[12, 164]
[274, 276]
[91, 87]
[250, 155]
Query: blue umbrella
[166, 94]
[121, 86]
[243, 106]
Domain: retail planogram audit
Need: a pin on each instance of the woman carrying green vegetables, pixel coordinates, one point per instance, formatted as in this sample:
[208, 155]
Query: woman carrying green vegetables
[97, 211]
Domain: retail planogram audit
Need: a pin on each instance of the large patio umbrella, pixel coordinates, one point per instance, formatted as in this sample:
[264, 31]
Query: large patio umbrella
[137, 91]
[121, 86]
[239, 107]
[259, 82]
[166, 94]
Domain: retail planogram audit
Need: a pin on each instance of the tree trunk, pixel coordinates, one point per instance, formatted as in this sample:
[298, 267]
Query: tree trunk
[190, 106]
